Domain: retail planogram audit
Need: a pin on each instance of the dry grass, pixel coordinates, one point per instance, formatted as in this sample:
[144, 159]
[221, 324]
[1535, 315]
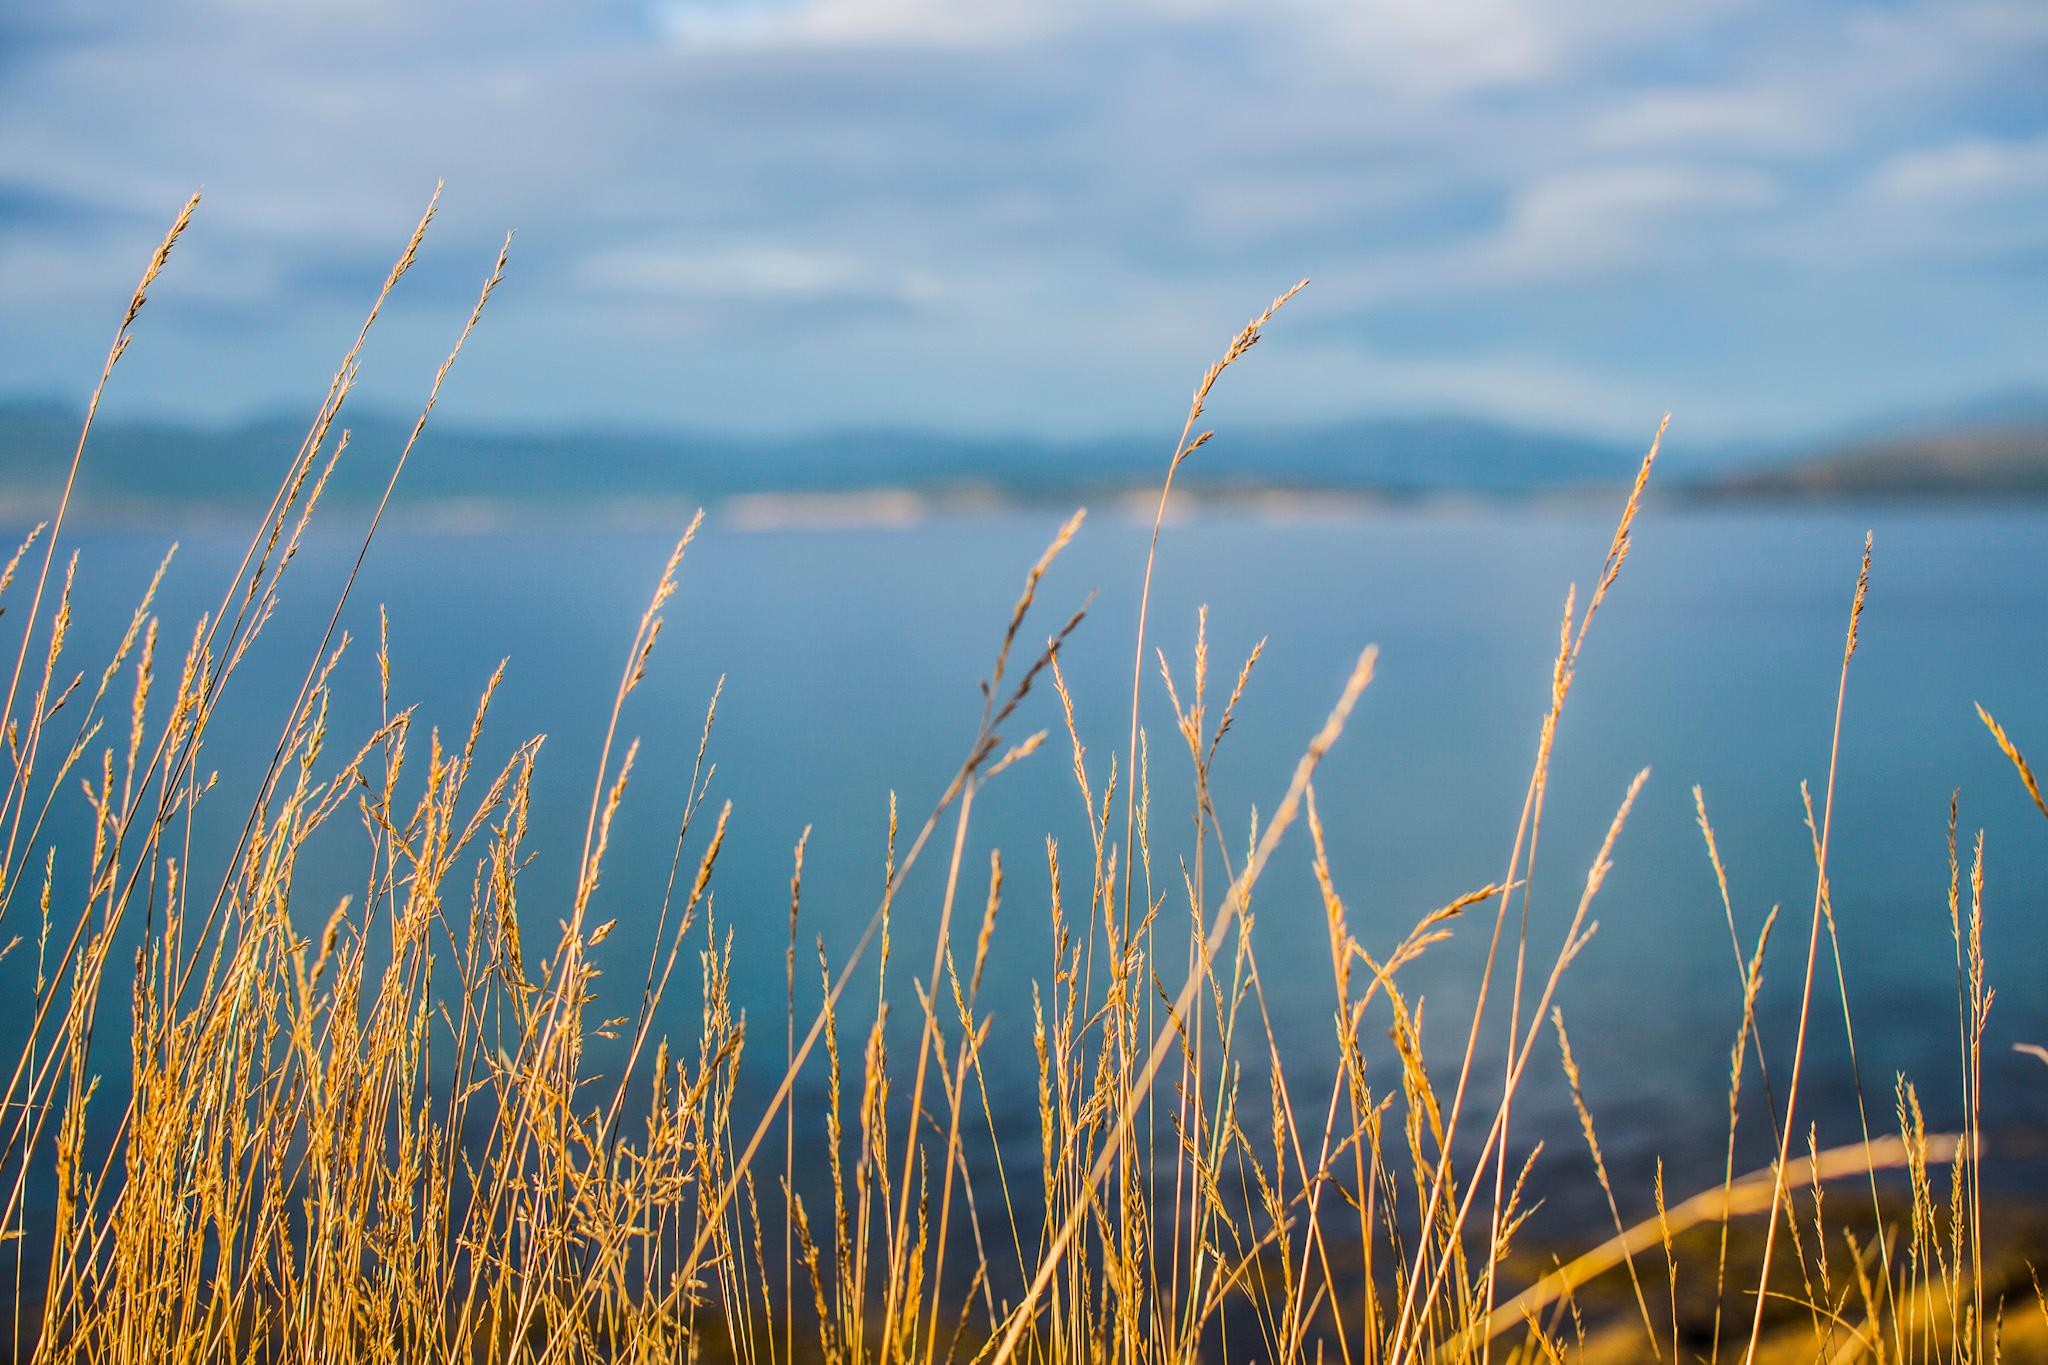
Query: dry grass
[387, 1123]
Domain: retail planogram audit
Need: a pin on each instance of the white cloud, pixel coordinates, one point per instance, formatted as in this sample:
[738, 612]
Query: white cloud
[1974, 168]
[1614, 215]
[1600, 222]
[1724, 119]
[744, 271]
[1440, 48]
[826, 23]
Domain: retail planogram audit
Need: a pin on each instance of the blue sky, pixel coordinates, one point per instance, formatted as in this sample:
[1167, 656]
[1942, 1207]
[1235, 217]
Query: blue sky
[1771, 218]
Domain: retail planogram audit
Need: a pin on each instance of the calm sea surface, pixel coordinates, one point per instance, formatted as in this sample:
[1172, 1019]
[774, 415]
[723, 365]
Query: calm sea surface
[851, 658]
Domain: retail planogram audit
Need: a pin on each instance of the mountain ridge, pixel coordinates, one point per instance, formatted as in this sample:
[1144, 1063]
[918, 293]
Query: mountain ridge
[1995, 449]
[154, 461]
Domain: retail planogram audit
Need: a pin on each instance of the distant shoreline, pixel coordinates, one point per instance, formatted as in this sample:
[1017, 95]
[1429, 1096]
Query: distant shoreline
[154, 472]
[900, 508]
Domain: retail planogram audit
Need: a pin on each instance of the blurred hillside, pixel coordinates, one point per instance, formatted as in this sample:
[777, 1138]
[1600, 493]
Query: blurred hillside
[141, 468]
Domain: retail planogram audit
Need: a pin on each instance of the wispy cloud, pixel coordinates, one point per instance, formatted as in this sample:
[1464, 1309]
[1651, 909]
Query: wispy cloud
[1615, 217]
[1975, 169]
[752, 271]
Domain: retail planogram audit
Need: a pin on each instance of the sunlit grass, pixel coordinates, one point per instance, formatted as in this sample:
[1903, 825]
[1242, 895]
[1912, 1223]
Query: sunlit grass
[407, 1119]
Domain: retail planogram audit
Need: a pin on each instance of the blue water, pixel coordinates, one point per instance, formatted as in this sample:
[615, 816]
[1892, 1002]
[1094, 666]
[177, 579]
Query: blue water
[851, 658]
